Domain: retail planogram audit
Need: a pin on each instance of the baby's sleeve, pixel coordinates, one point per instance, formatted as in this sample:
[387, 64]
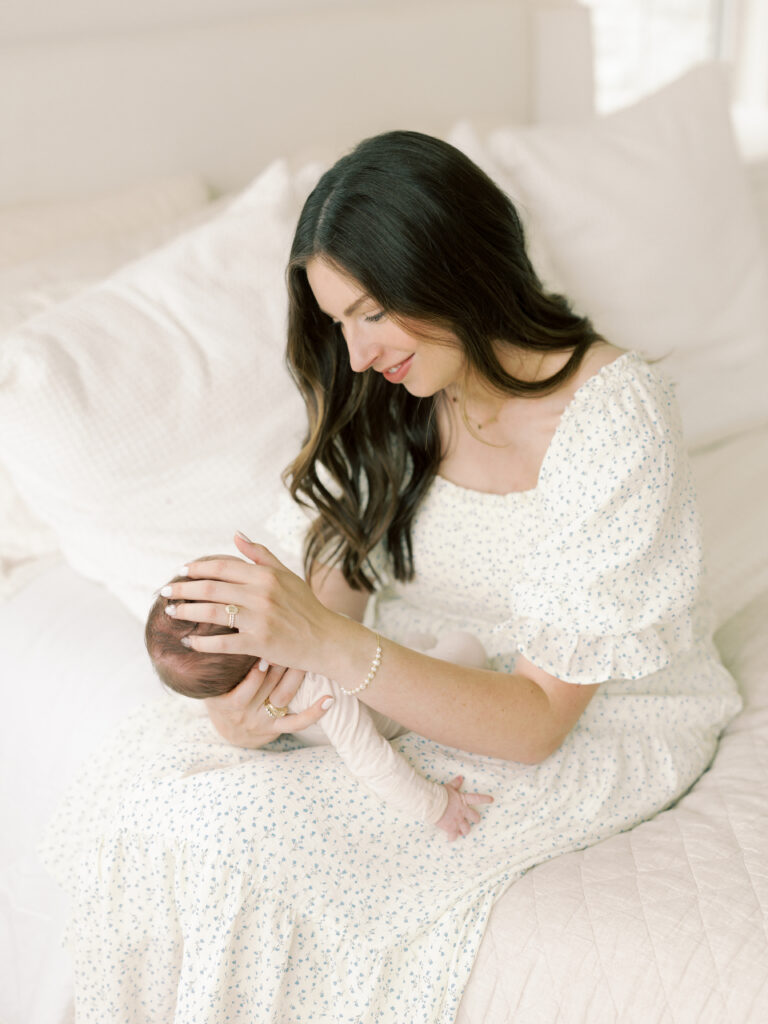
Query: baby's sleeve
[608, 590]
[369, 756]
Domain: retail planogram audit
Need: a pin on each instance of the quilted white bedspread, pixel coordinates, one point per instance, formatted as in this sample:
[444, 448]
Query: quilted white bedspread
[666, 923]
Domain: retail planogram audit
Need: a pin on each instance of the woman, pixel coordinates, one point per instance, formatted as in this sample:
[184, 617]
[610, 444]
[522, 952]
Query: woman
[478, 458]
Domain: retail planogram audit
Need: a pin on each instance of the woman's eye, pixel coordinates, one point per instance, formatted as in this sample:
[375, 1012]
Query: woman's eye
[374, 317]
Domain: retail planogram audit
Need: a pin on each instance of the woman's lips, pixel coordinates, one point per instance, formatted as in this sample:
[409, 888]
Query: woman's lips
[397, 373]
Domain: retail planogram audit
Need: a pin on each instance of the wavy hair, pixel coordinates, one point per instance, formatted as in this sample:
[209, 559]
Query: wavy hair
[431, 238]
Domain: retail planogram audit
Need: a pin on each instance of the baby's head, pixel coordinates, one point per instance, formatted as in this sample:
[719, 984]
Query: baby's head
[191, 673]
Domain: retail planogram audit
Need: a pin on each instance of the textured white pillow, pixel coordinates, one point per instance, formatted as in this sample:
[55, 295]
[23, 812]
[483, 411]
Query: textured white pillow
[466, 137]
[48, 253]
[33, 285]
[149, 418]
[647, 218]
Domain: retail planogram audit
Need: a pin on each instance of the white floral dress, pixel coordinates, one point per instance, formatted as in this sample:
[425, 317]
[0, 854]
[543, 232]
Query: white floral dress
[215, 884]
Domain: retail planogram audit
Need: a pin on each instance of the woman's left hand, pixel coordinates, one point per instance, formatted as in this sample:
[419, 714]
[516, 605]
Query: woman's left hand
[242, 718]
[278, 617]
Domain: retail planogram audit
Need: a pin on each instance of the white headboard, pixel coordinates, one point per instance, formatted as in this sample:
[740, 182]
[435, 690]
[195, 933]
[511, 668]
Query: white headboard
[96, 94]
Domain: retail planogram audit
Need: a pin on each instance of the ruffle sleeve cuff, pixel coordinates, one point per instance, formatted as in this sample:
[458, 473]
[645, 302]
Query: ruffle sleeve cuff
[588, 658]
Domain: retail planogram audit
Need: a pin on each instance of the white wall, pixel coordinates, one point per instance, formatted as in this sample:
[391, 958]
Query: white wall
[37, 19]
[98, 93]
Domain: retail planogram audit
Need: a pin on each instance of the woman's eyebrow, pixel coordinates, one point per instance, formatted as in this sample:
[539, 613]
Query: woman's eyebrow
[350, 309]
[358, 302]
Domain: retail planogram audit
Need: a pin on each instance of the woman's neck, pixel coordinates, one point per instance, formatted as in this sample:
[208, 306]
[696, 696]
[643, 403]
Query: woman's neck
[482, 404]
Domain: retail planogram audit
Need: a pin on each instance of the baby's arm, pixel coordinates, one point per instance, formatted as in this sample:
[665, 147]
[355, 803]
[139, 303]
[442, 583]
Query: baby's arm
[376, 764]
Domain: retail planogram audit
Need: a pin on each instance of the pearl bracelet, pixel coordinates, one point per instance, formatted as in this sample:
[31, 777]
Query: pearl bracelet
[371, 672]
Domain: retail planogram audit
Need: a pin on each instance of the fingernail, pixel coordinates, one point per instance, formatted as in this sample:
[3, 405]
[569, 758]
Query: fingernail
[183, 571]
[186, 641]
[327, 703]
[166, 591]
[170, 609]
[242, 536]
[263, 665]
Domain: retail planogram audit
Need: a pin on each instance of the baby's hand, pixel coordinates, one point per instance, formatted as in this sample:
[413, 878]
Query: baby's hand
[460, 815]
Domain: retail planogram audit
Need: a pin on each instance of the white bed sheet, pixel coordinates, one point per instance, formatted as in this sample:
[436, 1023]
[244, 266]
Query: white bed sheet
[665, 923]
[73, 666]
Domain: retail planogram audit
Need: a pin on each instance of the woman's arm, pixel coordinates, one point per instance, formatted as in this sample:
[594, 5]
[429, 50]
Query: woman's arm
[416, 691]
[521, 717]
[331, 588]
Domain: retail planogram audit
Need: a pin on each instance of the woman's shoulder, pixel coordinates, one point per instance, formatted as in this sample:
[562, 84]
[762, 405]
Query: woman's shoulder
[618, 392]
[620, 433]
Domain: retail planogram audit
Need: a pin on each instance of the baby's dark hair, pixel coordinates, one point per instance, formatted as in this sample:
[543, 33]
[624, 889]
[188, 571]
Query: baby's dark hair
[192, 673]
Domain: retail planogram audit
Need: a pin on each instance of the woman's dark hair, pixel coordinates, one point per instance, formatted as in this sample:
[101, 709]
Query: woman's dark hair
[429, 237]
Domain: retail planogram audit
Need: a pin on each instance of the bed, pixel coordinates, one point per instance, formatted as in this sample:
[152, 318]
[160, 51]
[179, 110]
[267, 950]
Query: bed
[158, 164]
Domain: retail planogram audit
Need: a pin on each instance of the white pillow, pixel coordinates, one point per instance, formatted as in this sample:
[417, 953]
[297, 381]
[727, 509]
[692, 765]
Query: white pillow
[149, 418]
[466, 137]
[647, 219]
[29, 287]
[49, 252]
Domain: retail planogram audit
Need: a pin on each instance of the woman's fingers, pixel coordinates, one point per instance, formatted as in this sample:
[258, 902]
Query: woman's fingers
[285, 685]
[200, 611]
[228, 570]
[310, 715]
[238, 699]
[208, 591]
[257, 553]
[220, 643]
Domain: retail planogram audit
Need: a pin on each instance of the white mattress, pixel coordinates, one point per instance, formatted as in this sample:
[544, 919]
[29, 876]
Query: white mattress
[666, 923]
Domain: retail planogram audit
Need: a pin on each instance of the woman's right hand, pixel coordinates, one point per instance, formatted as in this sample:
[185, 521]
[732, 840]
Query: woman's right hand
[241, 716]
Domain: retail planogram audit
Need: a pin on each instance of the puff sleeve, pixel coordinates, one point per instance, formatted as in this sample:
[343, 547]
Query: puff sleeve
[609, 587]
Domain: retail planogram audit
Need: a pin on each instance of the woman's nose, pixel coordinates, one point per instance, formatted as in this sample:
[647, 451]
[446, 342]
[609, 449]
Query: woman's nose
[363, 353]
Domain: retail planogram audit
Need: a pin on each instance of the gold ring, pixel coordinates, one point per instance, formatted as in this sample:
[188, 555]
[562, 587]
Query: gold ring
[273, 711]
[232, 611]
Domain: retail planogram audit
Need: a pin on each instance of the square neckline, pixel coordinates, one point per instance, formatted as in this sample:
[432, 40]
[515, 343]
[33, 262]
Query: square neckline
[577, 397]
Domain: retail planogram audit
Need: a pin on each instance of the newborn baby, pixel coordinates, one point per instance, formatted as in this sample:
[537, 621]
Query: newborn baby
[359, 734]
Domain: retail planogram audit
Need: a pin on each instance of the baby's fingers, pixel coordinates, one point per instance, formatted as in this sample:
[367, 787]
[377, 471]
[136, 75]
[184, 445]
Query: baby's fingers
[471, 815]
[477, 798]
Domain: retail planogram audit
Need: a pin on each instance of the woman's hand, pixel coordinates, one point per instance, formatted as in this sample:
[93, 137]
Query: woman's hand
[241, 715]
[460, 814]
[278, 617]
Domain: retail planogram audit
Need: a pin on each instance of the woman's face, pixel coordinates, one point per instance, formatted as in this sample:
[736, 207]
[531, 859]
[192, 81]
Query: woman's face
[375, 342]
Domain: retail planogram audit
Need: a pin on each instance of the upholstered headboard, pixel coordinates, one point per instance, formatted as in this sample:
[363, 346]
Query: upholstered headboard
[96, 94]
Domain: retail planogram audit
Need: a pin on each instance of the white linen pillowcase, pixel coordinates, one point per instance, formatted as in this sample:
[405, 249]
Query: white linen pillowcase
[49, 252]
[150, 417]
[465, 136]
[647, 219]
